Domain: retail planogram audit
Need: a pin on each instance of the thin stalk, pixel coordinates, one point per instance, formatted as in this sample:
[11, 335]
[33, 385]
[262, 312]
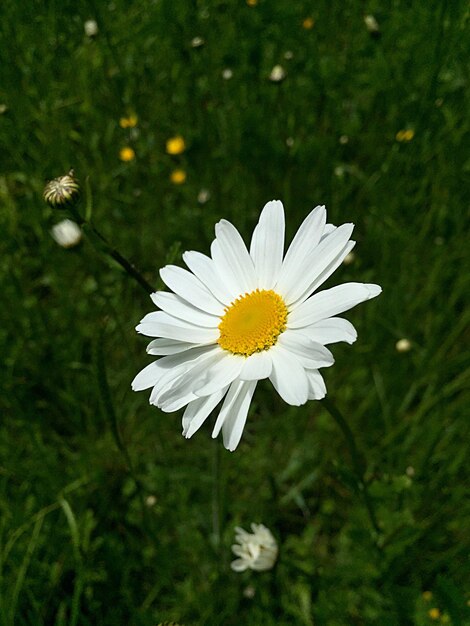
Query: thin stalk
[358, 465]
[117, 256]
[99, 241]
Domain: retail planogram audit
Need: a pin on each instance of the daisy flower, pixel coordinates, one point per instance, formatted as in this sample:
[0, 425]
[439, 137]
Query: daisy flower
[256, 550]
[239, 316]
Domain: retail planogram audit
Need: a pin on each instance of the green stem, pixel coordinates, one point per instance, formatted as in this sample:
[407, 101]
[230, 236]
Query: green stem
[106, 247]
[117, 256]
[358, 465]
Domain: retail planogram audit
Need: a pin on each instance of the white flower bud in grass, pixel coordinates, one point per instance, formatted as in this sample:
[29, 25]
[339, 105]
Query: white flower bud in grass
[91, 28]
[203, 196]
[372, 25]
[257, 550]
[278, 73]
[67, 234]
[403, 345]
[197, 42]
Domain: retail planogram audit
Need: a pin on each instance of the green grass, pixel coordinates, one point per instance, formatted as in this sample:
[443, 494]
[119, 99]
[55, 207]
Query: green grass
[80, 453]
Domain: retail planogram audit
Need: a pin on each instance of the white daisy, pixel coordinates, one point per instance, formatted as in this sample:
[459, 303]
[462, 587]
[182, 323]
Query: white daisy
[240, 316]
[257, 550]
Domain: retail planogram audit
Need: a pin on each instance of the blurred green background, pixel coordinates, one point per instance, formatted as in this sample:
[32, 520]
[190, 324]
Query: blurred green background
[108, 515]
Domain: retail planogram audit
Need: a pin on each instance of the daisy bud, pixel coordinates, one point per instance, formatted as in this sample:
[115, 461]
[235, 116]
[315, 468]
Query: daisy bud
[278, 73]
[403, 345]
[203, 196]
[197, 42]
[67, 234]
[257, 550]
[62, 192]
[372, 26]
[91, 28]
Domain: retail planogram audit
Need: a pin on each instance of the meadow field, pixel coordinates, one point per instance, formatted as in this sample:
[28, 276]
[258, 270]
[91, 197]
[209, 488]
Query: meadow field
[175, 114]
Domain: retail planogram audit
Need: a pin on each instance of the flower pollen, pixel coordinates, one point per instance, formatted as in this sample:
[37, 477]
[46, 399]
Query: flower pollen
[253, 322]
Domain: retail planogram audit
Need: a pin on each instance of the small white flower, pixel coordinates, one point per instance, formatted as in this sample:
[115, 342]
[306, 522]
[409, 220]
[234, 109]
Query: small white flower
[278, 73]
[343, 140]
[227, 73]
[257, 550]
[91, 28]
[249, 592]
[290, 142]
[371, 24]
[240, 316]
[203, 196]
[349, 258]
[403, 345]
[67, 233]
[197, 42]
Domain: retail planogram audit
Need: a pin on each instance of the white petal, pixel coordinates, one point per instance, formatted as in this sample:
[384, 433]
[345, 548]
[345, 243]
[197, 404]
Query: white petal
[190, 288]
[331, 302]
[219, 375]
[175, 366]
[188, 379]
[147, 377]
[316, 385]
[329, 228]
[160, 346]
[288, 376]
[176, 306]
[153, 373]
[232, 402]
[309, 353]
[257, 366]
[331, 330]
[303, 274]
[305, 240]
[234, 424]
[160, 324]
[232, 259]
[204, 268]
[239, 565]
[325, 274]
[199, 410]
[267, 244]
[177, 402]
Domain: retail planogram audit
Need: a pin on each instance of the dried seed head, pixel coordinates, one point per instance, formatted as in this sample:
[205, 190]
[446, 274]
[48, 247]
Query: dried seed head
[62, 192]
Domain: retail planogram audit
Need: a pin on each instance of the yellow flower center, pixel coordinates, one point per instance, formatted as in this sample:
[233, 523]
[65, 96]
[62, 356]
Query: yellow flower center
[253, 322]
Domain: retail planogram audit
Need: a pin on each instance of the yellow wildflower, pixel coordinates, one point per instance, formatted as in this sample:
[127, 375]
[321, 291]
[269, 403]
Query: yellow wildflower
[405, 135]
[126, 154]
[178, 177]
[434, 613]
[128, 122]
[308, 23]
[175, 145]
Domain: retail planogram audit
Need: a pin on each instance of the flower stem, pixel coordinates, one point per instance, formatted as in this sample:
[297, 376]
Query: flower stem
[358, 464]
[101, 243]
[117, 256]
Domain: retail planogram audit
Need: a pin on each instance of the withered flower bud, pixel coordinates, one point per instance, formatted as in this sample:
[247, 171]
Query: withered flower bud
[62, 192]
